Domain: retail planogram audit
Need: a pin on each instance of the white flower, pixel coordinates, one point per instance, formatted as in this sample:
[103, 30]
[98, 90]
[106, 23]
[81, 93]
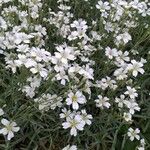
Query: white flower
[132, 106]
[110, 53]
[73, 35]
[65, 113]
[30, 91]
[96, 36]
[125, 37]
[75, 99]
[62, 77]
[102, 102]
[106, 82]
[108, 26]
[143, 61]
[122, 56]
[9, 129]
[120, 100]
[133, 134]
[59, 66]
[34, 81]
[135, 67]
[127, 117]
[68, 147]
[131, 92]
[40, 29]
[87, 72]
[120, 74]
[40, 69]
[85, 117]
[103, 6]
[65, 54]
[75, 123]
[134, 52]
[79, 25]
[1, 112]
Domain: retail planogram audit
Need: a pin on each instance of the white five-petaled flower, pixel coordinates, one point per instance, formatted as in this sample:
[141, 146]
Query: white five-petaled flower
[75, 123]
[68, 147]
[132, 106]
[86, 117]
[127, 117]
[75, 99]
[120, 100]
[110, 53]
[103, 6]
[133, 134]
[65, 113]
[131, 92]
[40, 69]
[120, 74]
[79, 25]
[125, 38]
[64, 54]
[135, 67]
[122, 56]
[9, 129]
[102, 102]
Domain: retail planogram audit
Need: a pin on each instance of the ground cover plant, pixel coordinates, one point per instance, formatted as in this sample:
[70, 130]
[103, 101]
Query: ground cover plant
[74, 75]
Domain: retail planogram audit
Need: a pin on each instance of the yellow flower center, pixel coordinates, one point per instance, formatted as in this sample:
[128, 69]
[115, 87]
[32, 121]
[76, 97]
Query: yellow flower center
[9, 127]
[74, 98]
[73, 123]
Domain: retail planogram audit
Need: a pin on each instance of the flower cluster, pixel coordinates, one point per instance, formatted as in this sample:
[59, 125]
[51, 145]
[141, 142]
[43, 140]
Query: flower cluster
[58, 48]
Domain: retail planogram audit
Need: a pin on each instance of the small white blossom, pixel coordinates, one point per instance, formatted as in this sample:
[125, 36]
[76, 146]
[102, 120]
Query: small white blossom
[9, 129]
[102, 102]
[110, 53]
[120, 74]
[86, 117]
[103, 6]
[65, 113]
[122, 56]
[75, 99]
[75, 123]
[125, 38]
[64, 54]
[131, 92]
[132, 106]
[127, 117]
[79, 25]
[135, 67]
[120, 100]
[133, 134]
